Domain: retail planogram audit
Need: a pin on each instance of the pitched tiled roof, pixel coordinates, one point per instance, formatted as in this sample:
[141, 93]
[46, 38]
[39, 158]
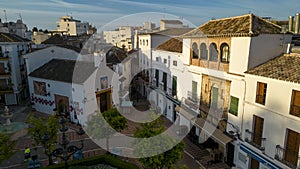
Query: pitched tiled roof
[8, 37]
[62, 70]
[245, 25]
[115, 55]
[285, 67]
[55, 39]
[171, 45]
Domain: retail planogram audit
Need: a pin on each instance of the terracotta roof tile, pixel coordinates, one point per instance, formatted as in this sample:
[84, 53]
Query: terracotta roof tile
[171, 45]
[245, 25]
[285, 67]
[8, 37]
[62, 70]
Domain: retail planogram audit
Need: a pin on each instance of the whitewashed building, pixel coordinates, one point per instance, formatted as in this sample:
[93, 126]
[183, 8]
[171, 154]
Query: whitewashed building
[271, 127]
[121, 37]
[69, 26]
[210, 77]
[13, 76]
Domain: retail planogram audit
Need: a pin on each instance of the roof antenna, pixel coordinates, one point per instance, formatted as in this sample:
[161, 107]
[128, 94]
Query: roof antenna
[5, 15]
[20, 16]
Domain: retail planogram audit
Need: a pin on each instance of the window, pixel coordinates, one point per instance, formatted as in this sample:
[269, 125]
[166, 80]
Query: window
[157, 59]
[144, 42]
[213, 52]
[39, 88]
[225, 57]
[261, 91]
[147, 42]
[165, 60]
[195, 51]
[234, 105]
[157, 77]
[164, 80]
[295, 103]
[203, 51]
[140, 42]
[174, 86]
[174, 63]
[194, 90]
[292, 146]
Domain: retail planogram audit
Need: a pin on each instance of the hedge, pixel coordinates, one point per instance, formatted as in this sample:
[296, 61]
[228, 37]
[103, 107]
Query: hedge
[103, 159]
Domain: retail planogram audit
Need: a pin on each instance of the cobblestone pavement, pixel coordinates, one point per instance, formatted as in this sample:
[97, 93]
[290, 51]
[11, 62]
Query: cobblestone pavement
[190, 158]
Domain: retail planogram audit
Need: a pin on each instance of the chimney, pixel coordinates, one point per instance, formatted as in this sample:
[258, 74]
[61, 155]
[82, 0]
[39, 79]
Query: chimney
[291, 23]
[297, 23]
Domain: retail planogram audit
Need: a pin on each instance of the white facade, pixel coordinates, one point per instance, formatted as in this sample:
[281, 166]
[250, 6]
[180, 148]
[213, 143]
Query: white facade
[275, 114]
[123, 36]
[13, 72]
[17, 28]
[72, 27]
[245, 53]
[35, 59]
[39, 37]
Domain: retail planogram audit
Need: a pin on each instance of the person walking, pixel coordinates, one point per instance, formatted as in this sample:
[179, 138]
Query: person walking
[27, 154]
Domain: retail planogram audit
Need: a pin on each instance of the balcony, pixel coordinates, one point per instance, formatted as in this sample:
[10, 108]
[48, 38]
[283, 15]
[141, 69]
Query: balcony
[4, 56]
[191, 104]
[6, 89]
[124, 92]
[255, 140]
[5, 74]
[167, 94]
[289, 158]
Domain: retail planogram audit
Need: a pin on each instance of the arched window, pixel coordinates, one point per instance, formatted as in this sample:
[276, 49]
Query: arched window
[143, 42]
[213, 52]
[203, 51]
[225, 54]
[195, 51]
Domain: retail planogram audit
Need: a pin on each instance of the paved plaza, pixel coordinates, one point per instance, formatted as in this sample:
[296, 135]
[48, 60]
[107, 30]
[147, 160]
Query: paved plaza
[192, 158]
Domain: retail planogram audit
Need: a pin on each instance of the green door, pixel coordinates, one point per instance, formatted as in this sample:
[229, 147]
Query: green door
[214, 97]
[194, 90]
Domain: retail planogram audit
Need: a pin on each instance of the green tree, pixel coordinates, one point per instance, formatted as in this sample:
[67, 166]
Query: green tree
[39, 127]
[6, 146]
[163, 160]
[104, 125]
[34, 29]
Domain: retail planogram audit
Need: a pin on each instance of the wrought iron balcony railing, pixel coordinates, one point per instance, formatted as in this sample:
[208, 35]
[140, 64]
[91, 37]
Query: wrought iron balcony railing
[287, 157]
[255, 139]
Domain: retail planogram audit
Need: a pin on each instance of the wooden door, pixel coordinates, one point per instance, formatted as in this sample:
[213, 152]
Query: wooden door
[292, 147]
[254, 164]
[258, 127]
[62, 104]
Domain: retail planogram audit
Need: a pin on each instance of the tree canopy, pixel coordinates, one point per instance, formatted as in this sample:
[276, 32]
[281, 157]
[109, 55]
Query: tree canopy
[6, 146]
[39, 127]
[153, 143]
[104, 125]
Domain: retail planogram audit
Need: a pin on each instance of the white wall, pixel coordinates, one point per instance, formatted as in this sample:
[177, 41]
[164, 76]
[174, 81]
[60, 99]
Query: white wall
[38, 58]
[239, 54]
[186, 51]
[275, 112]
[265, 47]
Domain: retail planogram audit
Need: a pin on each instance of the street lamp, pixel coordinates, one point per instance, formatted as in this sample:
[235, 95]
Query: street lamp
[65, 151]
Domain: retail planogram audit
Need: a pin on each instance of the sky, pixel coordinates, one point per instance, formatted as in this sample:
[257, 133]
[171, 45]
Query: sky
[44, 14]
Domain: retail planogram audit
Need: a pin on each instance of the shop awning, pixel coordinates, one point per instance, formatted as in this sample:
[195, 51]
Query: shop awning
[215, 133]
[259, 157]
[188, 114]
